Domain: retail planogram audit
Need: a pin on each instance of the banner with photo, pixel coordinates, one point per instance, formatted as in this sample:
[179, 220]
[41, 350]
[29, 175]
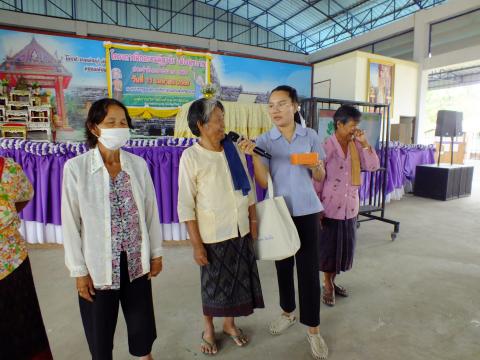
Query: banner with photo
[71, 74]
[155, 82]
[380, 83]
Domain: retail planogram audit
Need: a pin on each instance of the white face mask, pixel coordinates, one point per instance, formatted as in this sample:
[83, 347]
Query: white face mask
[114, 139]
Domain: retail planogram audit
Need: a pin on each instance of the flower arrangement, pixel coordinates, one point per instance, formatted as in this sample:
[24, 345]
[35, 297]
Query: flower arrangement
[209, 90]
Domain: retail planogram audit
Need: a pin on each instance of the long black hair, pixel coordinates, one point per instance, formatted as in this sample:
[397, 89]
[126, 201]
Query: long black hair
[97, 113]
[292, 94]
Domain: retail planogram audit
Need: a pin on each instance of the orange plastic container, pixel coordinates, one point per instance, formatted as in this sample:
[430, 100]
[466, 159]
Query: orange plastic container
[304, 159]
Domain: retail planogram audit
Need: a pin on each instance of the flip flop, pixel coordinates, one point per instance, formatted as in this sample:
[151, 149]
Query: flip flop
[340, 291]
[206, 344]
[238, 338]
[328, 299]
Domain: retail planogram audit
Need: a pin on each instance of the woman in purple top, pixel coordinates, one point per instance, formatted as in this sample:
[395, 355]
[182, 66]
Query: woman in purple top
[347, 153]
[294, 183]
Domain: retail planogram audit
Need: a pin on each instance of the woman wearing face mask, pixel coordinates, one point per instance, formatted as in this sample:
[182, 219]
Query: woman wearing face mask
[348, 152]
[294, 183]
[112, 234]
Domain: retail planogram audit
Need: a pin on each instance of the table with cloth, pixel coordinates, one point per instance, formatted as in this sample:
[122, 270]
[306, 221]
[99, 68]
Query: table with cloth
[43, 164]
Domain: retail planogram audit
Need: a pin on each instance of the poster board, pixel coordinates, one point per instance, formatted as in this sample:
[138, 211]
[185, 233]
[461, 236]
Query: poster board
[154, 82]
[380, 83]
[371, 123]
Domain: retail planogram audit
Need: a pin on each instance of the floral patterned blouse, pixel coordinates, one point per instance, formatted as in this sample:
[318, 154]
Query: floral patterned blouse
[126, 233]
[14, 188]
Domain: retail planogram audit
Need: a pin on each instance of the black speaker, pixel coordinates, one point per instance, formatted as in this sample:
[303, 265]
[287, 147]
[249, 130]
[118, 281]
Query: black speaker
[444, 182]
[466, 179]
[449, 123]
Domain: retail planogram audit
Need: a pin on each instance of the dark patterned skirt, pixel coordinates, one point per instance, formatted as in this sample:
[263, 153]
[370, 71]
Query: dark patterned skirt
[337, 245]
[230, 282]
[22, 332]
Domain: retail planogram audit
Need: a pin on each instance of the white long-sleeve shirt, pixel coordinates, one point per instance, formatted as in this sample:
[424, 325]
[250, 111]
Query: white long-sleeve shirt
[86, 218]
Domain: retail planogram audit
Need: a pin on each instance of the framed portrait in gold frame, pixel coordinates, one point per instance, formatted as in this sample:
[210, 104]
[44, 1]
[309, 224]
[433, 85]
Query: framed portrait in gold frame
[380, 82]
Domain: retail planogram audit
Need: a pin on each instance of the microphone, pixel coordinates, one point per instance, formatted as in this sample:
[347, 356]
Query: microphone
[234, 137]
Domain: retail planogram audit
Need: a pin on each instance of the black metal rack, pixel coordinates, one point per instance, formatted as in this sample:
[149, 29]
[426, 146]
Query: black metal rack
[372, 207]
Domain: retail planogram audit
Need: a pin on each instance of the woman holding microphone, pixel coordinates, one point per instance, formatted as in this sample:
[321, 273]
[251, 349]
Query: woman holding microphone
[294, 183]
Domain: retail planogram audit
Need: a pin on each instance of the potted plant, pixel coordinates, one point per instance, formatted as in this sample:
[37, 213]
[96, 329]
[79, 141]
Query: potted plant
[35, 88]
[5, 82]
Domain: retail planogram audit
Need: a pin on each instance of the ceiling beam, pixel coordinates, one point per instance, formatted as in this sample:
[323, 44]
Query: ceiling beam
[323, 21]
[253, 23]
[328, 16]
[419, 4]
[264, 12]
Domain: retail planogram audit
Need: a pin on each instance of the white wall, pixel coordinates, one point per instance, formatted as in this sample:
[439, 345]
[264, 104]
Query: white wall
[362, 78]
[406, 87]
[348, 74]
[342, 74]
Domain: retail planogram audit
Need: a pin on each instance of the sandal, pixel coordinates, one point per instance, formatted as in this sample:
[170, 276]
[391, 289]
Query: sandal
[208, 345]
[328, 298]
[282, 323]
[318, 346]
[240, 340]
[340, 290]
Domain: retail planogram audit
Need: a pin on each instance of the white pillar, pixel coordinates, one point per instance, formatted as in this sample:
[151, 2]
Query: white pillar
[421, 33]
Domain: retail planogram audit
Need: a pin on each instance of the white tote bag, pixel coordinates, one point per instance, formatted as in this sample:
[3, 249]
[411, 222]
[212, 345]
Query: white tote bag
[277, 235]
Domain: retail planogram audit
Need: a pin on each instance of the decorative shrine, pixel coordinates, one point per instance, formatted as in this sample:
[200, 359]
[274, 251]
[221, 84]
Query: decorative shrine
[25, 106]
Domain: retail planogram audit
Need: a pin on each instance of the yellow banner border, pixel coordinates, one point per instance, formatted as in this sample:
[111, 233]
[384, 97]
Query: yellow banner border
[148, 113]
